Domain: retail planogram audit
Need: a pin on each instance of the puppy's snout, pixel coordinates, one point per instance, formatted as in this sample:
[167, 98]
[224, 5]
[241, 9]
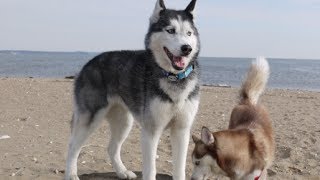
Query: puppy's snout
[186, 49]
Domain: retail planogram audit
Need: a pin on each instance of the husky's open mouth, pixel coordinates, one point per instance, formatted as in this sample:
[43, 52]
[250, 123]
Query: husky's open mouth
[177, 61]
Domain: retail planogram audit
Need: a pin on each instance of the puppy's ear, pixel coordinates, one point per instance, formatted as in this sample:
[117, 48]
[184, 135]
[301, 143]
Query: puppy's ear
[190, 7]
[157, 10]
[195, 138]
[206, 136]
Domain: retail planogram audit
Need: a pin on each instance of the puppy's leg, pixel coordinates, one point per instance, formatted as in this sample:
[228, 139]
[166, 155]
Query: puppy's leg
[82, 127]
[149, 142]
[121, 122]
[264, 174]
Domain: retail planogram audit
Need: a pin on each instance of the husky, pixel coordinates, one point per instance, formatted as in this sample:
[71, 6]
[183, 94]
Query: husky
[246, 150]
[158, 87]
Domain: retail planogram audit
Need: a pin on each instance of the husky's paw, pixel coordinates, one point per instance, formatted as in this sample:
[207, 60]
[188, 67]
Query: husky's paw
[127, 175]
[72, 177]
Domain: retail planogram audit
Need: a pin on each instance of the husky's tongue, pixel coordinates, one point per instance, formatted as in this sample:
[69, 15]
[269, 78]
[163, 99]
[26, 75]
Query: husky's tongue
[178, 61]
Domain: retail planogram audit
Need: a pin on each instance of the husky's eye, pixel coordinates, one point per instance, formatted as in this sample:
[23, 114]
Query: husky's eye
[197, 163]
[171, 31]
[189, 33]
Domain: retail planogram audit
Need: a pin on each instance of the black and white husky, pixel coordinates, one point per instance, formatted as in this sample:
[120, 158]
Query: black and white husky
[158, 87]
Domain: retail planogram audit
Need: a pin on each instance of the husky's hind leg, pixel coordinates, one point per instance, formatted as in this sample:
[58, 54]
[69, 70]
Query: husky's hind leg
[82, 126]
[121, 121]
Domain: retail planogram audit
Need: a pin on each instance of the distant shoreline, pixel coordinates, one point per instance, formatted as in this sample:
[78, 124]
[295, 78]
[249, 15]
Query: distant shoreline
[71, 78]
[203, 57]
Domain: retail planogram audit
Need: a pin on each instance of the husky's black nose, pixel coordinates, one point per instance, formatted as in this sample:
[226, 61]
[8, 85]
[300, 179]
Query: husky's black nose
[186, 49]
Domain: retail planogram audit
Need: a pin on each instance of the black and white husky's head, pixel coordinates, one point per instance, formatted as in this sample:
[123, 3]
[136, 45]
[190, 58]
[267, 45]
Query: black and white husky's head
[173, 37]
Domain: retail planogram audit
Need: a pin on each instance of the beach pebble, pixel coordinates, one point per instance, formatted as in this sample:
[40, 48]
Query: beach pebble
[4, 137]
[271, 172]
[56, 171]
[19, 172]
[22, 119]
[295, 170]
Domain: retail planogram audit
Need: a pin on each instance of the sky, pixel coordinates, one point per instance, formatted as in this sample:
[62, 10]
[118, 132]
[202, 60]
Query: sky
[228, 28]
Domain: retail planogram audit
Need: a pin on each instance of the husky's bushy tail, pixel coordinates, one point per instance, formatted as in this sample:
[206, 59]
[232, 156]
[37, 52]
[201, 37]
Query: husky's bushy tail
[255, 81]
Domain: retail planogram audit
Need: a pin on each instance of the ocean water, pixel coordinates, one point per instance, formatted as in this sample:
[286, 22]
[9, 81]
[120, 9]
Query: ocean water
[285, 73]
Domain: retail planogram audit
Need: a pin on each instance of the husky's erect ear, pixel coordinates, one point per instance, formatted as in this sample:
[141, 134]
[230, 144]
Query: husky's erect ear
[206, 136]
[157, 10]
[195, 139]
[190, 7]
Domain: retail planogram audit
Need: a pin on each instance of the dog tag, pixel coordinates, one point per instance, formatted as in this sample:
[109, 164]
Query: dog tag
[172, 78]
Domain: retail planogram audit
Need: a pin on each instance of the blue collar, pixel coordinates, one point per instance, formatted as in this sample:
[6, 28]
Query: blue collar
[179, 76]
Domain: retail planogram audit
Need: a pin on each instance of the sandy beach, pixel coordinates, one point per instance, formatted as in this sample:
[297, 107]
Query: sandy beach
[35, 115]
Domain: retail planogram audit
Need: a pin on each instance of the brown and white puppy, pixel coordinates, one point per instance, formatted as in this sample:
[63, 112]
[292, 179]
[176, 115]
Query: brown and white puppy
[246, 150]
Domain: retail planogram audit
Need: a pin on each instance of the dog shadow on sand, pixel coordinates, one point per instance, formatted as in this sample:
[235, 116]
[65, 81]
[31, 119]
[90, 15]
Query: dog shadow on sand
[113, 176]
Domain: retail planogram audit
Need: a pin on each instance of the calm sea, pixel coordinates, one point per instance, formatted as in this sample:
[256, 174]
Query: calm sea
[285, 73]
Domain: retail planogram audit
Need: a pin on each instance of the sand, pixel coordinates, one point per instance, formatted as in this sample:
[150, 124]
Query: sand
[36, 113]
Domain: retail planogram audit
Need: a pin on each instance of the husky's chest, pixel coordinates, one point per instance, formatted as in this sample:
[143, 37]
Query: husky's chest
[182, 107]
[178, 94]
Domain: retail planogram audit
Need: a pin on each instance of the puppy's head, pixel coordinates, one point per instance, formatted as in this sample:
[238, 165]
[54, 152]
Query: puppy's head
[231, 153]
[204, 156]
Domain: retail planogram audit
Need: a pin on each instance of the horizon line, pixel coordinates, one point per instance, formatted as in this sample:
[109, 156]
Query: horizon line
[96, 52]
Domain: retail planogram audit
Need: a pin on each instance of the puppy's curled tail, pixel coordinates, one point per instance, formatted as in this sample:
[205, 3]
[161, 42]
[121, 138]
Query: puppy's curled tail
[255, 81]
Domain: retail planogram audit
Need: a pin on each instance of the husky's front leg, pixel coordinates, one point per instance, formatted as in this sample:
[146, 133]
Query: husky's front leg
[149, 141]
[179, 142]
[180, 134]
